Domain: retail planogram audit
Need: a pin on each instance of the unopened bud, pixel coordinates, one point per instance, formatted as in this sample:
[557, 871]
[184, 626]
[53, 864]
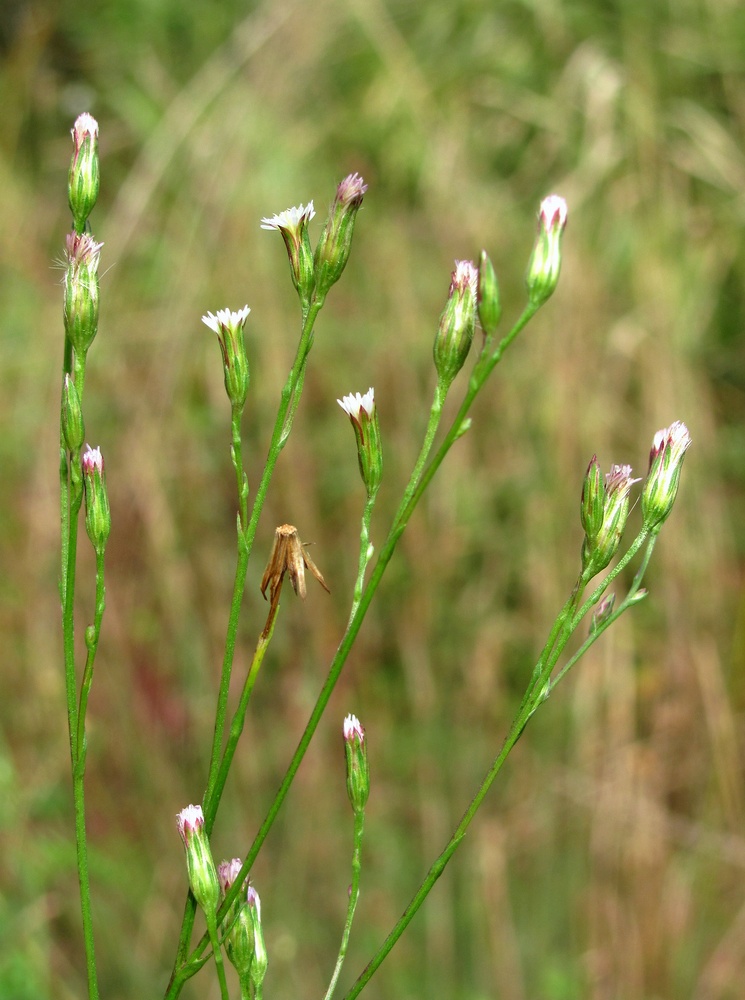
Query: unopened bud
[260, 958]
[598, 549]
[293, 225]
[229, 329]
[358, 768]
[83, 178]
[81, 291]
[239, 939]
[73, 430]
[545, 261]
[363, 415]
[665, 462]
[97, 512]
[199, 864]
[489, 306]
[332, 252]
[455, 333]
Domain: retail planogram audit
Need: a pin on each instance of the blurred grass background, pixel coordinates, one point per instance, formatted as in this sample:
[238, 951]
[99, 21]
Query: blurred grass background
[609, 862]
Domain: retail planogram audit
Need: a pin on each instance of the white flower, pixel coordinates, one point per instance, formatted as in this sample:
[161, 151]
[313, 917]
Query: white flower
[226, 318]
[291, 219]
[354, 402]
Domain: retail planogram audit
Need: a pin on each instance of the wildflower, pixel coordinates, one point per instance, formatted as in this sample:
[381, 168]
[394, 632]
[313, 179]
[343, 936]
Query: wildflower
[363, 415]
[358, 768]
[455, 333]
[293, 225]
[545, 261]
[83, 178]
[239, 939]
[332, 252]
[199, 864]
[97, 512]
[603, 536]
[80, 310]
[229, 329]
[665, 462]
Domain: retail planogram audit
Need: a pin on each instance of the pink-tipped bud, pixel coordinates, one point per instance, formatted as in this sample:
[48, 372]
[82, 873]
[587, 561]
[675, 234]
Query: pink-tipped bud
[97, 512]
[363, 415]
[239, 940]
[199, 864]
[83, 178]
[229, 329]
[293, 225]
[358, 768]
[545, 261]
[455, 333]
[665, 462]
[599, 547]
[82, 255]
[332, 252]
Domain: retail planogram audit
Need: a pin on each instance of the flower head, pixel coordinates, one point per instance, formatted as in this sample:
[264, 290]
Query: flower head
[332, 252]
[229, 329]
[83, 178]
[457, 323]
[293, 225]
[81, 299]
[199, 864]
[358, 768]
[665, 462]
[288, 555]
[603, 530]
[363, 414]
[97, 511]
[545, 261]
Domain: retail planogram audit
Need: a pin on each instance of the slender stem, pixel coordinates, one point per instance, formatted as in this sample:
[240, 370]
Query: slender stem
[289, 400]
[92, 645]
[537, 691]
[354, 895]
[366, 553]
[83, 877]
[217, 954]
[417, 485]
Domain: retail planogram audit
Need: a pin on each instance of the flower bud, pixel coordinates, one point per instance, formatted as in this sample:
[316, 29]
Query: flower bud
[229, 329]
[81, 291]
[454, 336]
[358, 769]
[363, 414]
[73, 430]
[293, 225]
[332, 252]
[598, 549]
[239, 939]
[97, 512]
[83, 179]
[489, 306]
[545, 261]
[199, 864]
[602, 613]
[665, 462]
[593, 499]
[260, 958]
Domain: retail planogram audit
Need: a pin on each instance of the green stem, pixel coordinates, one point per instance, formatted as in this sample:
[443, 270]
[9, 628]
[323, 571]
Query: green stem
[289, 400]
[366, 553]
[354, 895]
[417, 485]
[92, 647]
[217, 955]
[537, 691]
